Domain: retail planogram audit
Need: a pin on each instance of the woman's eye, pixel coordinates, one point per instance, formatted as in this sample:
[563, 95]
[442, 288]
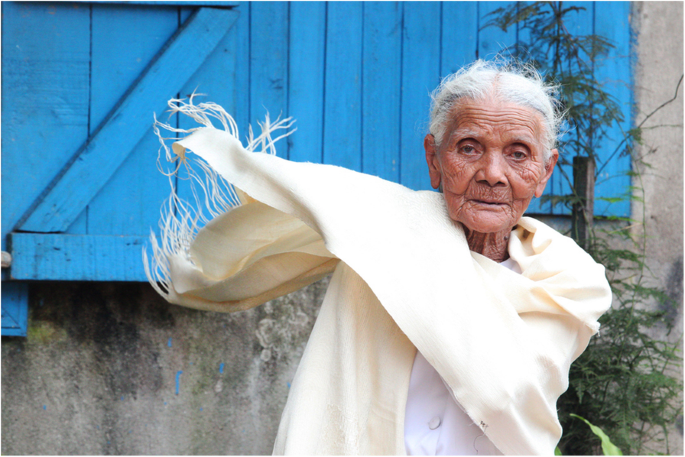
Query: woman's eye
[519, 155]
[466, 149]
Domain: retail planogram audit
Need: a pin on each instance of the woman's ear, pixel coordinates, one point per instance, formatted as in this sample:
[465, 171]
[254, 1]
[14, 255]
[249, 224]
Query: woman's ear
[432, 160]
[549, 168]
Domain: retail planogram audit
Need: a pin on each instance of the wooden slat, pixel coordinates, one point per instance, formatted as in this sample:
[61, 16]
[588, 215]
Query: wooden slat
[77, 257]
[459, 35]
[242, 77]
[492, 40]
[97, 160]
[420, 75]
[129, 203]
[579, 24]
[15, 297]
[215, 4]
[141, 32]
[382, 48]
[45, 92]
[216, 80]
[343, 90]
[306, 81]
[536, 206]
[269, 64]
[613, 74]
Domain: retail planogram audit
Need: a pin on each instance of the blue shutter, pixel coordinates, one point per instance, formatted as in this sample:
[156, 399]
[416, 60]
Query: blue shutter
[80, 82]
[15, 297]
[614, 73]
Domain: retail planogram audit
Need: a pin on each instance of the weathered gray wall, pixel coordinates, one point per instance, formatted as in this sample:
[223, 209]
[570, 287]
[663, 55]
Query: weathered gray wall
[659, 66]
[96, 375]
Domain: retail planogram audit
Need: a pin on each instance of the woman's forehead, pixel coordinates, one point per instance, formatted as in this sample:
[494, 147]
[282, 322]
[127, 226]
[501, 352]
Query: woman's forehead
[494, 116]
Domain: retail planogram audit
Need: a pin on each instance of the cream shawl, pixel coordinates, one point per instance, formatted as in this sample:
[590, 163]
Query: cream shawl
[404, 279]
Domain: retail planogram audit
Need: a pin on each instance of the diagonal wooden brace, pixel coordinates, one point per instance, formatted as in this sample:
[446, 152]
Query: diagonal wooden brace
[97, 160]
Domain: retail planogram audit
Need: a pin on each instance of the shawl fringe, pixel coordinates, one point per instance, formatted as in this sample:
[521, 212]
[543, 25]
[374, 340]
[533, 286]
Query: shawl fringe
[212, 195]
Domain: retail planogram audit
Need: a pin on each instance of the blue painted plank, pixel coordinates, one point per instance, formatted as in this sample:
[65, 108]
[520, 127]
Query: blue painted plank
[15, 299]
[45, 93]
[186, 11]
[382, 71]
[216, 80]
[492, 40]
[420, 76]
[535, 207]
[171, 3]
[124, 40]
[38, 256]
[459, 35]
[306, 80]
[269, 64]
[242, 77]
[578, 24]
[522, 35]
[97, 160]
[614, 76]
[343, 86]
[181, 187]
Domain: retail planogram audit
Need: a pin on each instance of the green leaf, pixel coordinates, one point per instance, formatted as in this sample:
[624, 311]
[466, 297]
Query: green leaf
[608, 447]
[610, 199]
[557, 451]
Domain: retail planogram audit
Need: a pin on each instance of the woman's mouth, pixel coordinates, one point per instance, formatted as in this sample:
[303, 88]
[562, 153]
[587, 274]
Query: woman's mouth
[489, 203]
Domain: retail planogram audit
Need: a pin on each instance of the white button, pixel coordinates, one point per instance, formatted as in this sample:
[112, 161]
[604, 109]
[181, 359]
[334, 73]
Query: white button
[434, 423]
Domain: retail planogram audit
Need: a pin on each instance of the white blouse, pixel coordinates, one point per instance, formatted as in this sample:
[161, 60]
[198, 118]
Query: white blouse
[435, 423]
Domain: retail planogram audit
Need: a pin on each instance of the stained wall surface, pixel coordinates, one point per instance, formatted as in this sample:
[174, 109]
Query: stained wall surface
[110, 368]
[114, 369]
[659, 54]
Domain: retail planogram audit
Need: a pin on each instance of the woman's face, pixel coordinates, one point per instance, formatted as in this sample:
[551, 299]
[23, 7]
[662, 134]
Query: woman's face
[490, 163]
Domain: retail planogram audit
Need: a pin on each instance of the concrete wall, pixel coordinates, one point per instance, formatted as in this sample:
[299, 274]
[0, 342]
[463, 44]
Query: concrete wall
[98, 371]
[659, 66]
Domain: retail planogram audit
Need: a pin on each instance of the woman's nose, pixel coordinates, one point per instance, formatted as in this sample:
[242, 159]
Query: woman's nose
[492, 168]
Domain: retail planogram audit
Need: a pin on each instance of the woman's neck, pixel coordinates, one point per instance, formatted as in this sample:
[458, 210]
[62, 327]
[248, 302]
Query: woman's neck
[491, 245]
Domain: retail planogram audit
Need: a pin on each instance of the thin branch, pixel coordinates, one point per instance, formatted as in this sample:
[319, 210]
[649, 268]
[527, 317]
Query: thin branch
[618, 148]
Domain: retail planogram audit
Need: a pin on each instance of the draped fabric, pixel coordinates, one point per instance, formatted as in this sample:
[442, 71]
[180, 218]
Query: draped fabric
[403, 279]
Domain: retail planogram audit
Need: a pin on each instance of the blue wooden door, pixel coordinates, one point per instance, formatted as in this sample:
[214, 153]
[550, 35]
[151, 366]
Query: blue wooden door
[81, 81]
[356, 76]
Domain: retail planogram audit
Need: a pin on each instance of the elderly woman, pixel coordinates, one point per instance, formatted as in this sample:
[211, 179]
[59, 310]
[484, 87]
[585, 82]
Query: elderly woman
[450, 321]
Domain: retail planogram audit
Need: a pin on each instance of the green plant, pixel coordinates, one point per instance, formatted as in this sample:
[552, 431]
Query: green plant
[626, 382]
[608, 448]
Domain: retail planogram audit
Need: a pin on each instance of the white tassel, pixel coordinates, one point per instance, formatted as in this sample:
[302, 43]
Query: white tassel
[180, 220]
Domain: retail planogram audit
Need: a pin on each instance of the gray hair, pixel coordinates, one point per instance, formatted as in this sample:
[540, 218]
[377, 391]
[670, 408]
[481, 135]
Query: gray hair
[509, 81]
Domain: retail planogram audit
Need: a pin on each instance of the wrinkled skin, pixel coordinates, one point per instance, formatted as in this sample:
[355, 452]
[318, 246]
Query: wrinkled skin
[490, 165]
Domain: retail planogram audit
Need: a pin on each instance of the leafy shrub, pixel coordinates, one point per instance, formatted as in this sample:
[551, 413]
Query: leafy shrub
[626, 382]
